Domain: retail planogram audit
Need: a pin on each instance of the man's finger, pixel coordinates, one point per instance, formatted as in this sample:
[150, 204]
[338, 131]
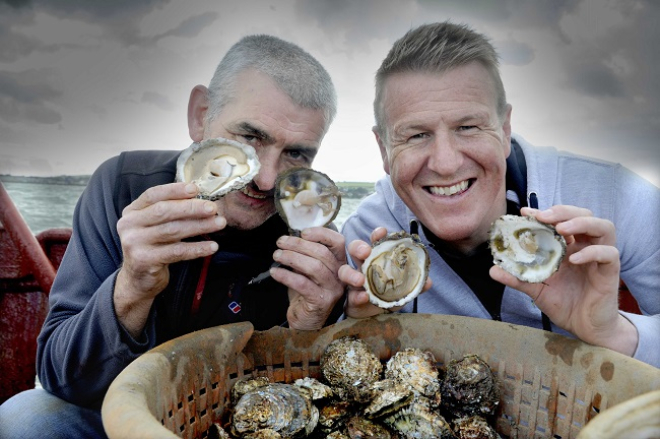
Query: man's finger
[171, 191]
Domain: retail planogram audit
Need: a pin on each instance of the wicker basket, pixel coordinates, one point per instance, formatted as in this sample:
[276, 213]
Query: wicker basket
[552, 385]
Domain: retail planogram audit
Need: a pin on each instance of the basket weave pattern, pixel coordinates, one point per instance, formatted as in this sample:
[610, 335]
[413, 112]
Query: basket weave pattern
[551, 385]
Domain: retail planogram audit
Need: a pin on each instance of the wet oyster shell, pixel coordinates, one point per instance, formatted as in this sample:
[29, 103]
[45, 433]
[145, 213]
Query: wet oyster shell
[283, 408]
[470, 388]
[333, 415]
[245, 385]
[317, 389]
[217, 166]
[418, 421]
[474, 427]
[396, 270]
[350, 367]
[306, 198]
[389, 396]
[359, 427]
[417, 370]
[529, 250]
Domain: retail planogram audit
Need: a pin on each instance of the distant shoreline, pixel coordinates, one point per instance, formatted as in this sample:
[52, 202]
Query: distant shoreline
[69, 180]
[348, 189]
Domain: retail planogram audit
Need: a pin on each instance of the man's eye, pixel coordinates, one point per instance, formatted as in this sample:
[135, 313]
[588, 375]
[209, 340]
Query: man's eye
[467, 127]
[298, 156]
[248, 138]
[418, 136]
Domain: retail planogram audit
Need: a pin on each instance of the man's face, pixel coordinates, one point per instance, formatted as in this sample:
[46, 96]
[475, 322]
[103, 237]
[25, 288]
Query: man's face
[284, 135]
[446, 150]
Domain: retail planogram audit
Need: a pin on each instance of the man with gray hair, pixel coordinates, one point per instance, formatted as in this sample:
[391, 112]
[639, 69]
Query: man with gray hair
[148, 261]
[443, 126]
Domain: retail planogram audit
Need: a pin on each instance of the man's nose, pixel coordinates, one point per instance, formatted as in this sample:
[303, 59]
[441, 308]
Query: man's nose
[265, 179]
[446, 156]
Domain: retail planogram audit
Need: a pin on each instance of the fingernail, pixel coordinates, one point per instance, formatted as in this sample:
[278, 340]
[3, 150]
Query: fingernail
[548, 211]
[220, 221]
[208, 207]
[281, 240]
[277, 254]
[364, 248]
[214, 247]
[304, 233]
[191, 188]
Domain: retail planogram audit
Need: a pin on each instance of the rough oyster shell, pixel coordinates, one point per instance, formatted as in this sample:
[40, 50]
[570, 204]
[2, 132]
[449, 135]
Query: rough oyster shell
[359, 427]
[416, 369]
[284, 408]
[396, 270]
[470, 388]
[474, 427]
[245, 385]
[389, 396]
[217, 166]
[317, 389]
[350, 367]
[418, 420]
[529, 250]
[306, 198]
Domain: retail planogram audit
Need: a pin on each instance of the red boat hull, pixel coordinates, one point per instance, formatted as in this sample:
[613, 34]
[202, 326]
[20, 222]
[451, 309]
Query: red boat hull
[23, 308]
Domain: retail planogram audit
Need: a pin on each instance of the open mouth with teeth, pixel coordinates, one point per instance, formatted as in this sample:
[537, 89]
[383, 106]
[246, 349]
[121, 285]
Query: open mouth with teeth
[257, 195]
[455, 189]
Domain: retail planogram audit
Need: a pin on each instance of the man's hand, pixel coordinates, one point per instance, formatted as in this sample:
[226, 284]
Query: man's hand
[314, 287]
[151, 231]
[582, 296]
[357, 304]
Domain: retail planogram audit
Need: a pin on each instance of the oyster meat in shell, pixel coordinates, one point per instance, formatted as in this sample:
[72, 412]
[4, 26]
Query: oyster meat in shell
[217, 166]
[306, 198]
[396, 270]
[529, 250]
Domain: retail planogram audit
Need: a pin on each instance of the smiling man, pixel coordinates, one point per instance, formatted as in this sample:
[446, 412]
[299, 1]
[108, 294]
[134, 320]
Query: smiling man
[148, 261]
[443, 126]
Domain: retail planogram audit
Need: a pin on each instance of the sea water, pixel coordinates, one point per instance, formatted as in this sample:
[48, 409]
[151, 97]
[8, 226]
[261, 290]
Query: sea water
[45, 206]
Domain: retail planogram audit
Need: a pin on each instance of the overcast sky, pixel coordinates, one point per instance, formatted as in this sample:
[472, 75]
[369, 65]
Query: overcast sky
[81, 81]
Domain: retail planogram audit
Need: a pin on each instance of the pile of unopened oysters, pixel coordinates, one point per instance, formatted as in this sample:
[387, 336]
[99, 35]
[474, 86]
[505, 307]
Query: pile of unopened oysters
[357, 396]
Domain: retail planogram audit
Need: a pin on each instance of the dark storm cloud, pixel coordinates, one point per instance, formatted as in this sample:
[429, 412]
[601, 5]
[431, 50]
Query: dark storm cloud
[514, 52]
[119, 19]
[28, 96]
[191, 27]
[622, 65]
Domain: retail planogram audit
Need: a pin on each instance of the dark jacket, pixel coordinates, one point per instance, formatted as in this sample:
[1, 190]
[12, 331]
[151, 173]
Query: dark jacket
[82, 346]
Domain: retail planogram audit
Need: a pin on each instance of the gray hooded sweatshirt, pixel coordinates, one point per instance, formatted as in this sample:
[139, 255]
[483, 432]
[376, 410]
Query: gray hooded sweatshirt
[609, 190]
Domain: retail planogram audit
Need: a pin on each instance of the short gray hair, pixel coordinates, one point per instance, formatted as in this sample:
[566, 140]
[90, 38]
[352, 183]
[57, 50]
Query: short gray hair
[294, 70]
[437, 48]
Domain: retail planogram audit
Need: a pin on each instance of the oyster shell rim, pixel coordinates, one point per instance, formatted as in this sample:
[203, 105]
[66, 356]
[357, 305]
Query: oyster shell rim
[236, 183]
[394, 236]
[495, 231]
[277, 196]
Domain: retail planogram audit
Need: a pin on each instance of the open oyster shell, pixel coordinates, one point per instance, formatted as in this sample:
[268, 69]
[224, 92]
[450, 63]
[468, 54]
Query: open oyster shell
[306, 198]
[396, 270]
[217, 166]
[529, 250]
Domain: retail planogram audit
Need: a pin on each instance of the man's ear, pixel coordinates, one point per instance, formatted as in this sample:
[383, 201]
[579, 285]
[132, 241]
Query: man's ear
[198, 105]
[383, 151]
